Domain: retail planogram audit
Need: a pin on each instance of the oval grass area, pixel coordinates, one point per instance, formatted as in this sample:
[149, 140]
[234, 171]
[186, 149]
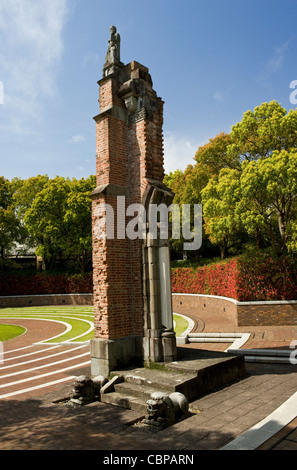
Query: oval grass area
[8, 332]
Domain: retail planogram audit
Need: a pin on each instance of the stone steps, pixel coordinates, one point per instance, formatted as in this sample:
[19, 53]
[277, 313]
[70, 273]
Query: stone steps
[164, 380]
[194, 374]
[137, 386]
[140, 391]
[129, 402]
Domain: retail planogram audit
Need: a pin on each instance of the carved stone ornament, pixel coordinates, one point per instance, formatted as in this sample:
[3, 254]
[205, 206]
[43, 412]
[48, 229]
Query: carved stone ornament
[85, 390]
[164, 410]
[113, 55]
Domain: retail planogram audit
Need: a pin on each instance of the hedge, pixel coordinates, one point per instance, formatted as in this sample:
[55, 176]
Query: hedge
[13, 284]
[245, 278]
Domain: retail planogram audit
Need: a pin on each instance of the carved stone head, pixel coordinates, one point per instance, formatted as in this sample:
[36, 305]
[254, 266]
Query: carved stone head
[83, 387]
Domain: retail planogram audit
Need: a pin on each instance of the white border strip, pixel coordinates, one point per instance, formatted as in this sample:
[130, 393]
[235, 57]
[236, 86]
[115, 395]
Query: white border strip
[267, 428]
[36, 317]
[209, 296]
[237, 339]
[190, 322]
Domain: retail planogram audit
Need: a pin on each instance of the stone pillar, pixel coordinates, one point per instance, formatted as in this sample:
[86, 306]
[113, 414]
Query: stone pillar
[129, 169]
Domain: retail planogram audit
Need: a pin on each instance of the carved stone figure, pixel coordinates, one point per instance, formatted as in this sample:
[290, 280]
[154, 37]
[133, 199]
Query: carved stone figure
[85, 390]
[113, 55]
[164, 410]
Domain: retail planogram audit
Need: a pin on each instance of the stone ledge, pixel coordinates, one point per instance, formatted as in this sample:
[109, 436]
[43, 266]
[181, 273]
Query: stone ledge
[109, 189]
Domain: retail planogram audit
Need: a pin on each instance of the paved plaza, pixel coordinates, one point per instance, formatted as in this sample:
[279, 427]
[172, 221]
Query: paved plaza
[257, 412]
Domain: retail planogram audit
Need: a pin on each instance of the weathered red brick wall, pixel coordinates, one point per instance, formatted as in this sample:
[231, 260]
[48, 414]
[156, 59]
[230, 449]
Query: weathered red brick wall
[154, 145]
[184, 303]
[129, 151]
[267, 313]
[46, 299]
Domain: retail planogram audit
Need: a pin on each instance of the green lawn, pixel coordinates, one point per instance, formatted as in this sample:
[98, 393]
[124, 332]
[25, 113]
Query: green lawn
[10, 331]
[78, 321]
[181, 324]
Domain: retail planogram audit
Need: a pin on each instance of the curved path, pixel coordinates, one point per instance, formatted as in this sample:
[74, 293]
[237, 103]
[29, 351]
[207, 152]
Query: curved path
[27, 365]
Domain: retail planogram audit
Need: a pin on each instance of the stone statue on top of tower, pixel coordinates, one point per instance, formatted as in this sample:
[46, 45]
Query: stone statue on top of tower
[113, 56]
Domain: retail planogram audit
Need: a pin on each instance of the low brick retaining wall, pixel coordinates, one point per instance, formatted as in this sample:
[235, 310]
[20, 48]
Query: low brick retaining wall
[269, 313]
[272, 313]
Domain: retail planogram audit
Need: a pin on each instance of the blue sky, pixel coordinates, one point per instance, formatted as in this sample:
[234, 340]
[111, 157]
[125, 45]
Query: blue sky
[210, 61]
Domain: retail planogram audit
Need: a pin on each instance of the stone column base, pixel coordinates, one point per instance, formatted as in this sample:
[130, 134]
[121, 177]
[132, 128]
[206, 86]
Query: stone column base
[159, 346]
[169, 346]
[113, 354]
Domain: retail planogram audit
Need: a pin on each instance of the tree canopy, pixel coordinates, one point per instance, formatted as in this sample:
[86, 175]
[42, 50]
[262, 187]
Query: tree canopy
[51, 215]
[246, 181]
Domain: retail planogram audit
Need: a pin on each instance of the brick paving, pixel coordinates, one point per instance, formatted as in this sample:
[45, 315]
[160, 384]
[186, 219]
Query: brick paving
[33, 422]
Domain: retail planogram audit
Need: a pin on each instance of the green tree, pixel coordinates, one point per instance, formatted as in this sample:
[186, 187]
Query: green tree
[269, 198]
[25, 192]
[78, 219]
[220, 198]
[59, 218]
[262, 131]
[10, 229]
[44, 220]
[214, 155]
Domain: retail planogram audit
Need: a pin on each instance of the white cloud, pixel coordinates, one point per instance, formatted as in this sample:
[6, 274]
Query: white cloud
[218, 96]
[274, 64]
[31, 47]
[76, 138]
[178, 152]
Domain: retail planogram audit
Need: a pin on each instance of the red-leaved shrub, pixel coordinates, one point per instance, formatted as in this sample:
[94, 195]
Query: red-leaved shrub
[244, 278]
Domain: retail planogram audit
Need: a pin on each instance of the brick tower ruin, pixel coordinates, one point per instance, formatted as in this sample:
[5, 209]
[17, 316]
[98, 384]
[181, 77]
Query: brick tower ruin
[131, 277]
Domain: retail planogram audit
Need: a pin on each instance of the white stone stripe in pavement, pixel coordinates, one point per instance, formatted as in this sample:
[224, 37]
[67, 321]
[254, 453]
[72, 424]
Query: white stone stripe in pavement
[55, 372]
[37, 387]
[51, 364]
[40, 358]
[45, 348]
[267, 428]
